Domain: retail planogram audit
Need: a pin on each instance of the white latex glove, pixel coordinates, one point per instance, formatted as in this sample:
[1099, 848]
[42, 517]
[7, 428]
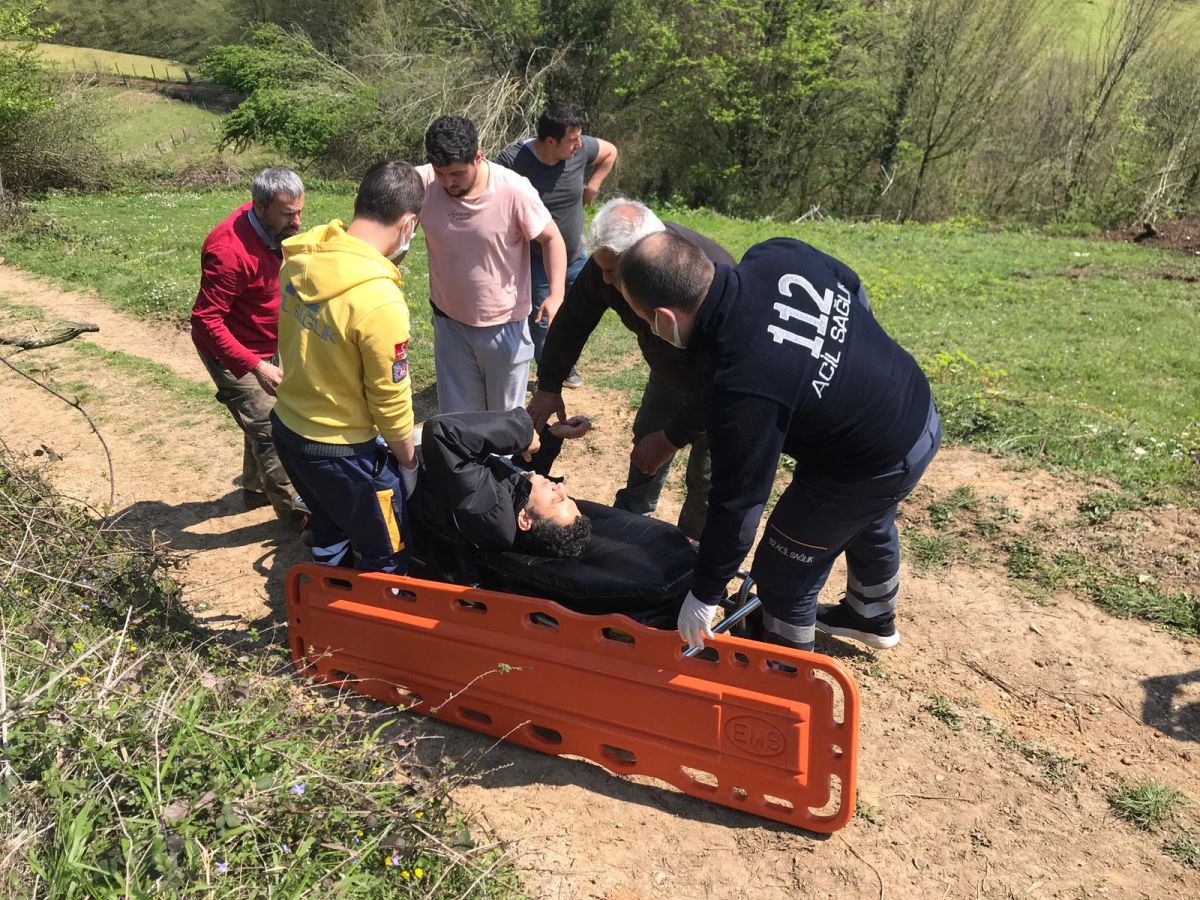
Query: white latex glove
[695, 621]
[409, 477]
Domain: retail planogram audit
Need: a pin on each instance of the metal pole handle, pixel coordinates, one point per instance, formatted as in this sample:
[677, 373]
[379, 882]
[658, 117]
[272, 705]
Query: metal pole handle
[747, 603]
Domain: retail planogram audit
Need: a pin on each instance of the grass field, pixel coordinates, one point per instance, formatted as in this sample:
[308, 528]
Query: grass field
[168, 134]
[109, 62]
[1066, 351]
[138, 119]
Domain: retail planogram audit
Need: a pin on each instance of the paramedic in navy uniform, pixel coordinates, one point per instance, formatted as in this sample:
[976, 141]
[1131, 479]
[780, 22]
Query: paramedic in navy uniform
[792, 361]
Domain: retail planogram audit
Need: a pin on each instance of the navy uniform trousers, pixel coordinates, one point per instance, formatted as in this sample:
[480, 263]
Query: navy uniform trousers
[355, 497]
[819, 518]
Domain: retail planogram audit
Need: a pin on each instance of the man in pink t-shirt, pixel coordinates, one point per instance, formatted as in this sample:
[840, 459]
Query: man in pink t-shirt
[478, 221]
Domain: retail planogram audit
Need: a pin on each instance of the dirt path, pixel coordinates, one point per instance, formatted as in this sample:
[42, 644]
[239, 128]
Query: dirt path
[1058, 701]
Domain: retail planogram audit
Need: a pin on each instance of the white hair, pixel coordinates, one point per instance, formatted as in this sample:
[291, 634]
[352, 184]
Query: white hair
[621, 223]
[270, 183]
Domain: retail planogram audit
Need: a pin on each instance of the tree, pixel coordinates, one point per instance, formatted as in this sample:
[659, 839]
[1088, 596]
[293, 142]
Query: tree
[961, 58]
[24, 89]
[1128, 28]
[299, 100]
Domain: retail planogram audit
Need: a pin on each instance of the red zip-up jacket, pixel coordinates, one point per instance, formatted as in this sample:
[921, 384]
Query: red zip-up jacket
[236, 316]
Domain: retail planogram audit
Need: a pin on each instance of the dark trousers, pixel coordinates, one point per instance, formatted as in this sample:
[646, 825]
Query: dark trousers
[540, 286]
[251, 407]
[356, 501]
[660, 404]
[815, 521]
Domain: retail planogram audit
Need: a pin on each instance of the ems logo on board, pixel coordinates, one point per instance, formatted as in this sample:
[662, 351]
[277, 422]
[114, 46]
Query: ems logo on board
[754, 736]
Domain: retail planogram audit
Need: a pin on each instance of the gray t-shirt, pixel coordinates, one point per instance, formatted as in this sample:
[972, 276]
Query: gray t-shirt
[560, 187]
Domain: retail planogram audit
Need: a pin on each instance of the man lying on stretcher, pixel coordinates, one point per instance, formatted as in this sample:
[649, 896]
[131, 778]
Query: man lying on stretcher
[472, 488]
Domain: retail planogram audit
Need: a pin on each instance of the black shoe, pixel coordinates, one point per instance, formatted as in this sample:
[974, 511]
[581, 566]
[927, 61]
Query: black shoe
[298, 520]
[840, 620]
[254, 499]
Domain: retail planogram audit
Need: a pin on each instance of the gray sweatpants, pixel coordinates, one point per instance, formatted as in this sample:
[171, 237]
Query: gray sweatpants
[481, 368]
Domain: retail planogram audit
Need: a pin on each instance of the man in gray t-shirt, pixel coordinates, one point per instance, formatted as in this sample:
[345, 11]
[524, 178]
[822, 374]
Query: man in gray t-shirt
[556, 162]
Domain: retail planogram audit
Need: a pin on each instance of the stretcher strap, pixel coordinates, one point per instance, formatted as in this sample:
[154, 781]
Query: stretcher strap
[764, 729]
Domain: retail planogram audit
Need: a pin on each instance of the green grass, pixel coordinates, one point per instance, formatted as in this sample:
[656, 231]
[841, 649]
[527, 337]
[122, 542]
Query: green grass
[1055, 767]
[1125, 596]
[1099, 506]
[1184, 850]
[928, 552]
[86, 60]
[1146, 804]
[868, 812]
[182, 393]
[1121, 595]
[1080, 21]
[942, 510]
[1046, 572]
[168, 135]
[943, 710]
[137, 119]
[148, 760]
[1094, 373]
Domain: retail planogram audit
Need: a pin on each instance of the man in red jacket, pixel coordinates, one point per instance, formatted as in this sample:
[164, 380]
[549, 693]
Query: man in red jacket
[235, 327]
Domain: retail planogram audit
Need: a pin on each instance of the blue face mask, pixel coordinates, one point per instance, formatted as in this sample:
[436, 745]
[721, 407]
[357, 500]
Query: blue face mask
[673, 340]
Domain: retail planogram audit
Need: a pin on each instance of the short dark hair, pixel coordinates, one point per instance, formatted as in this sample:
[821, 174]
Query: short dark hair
[451, 139]
[555, 119]
[390, 189]
[547, 538]
[663, 269]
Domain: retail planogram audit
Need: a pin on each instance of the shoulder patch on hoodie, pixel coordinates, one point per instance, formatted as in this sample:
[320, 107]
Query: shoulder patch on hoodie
[399, 370]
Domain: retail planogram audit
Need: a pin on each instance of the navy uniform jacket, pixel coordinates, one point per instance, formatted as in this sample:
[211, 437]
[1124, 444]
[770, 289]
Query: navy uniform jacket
[793, 361]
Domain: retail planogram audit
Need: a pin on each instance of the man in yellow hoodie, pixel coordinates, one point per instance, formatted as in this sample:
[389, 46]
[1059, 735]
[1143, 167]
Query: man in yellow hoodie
[343, 419]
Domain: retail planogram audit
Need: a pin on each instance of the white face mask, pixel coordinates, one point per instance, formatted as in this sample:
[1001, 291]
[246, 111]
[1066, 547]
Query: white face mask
[673, 340]
[402, 250]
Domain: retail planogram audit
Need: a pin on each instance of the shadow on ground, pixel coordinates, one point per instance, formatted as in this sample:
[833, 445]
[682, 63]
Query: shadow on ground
[1166, 707]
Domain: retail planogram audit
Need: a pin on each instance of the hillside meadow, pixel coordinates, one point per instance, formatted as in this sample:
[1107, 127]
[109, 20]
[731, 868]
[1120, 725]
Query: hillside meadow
[1063, 350]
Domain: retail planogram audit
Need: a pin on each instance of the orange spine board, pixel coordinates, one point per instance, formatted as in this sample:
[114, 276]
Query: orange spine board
[760, 728]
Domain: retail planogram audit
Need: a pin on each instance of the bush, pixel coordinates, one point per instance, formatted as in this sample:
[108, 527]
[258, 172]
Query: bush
[143, 758]
[298, 101]
[59, 146]
[48, 135]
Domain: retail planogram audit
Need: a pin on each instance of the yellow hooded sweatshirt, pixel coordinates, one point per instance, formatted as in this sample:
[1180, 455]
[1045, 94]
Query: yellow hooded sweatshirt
[343, 340]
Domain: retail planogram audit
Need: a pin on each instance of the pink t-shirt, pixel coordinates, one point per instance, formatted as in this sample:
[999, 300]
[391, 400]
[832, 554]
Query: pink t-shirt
[479, 249]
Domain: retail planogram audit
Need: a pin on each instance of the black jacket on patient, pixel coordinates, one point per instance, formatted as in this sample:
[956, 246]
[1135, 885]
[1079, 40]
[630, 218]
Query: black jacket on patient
[469, 487]
[631, 564]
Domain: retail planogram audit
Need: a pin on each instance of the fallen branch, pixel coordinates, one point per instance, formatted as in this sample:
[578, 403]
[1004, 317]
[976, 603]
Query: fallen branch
[996, 680]
[68, 331]
[857, 855]
[75, 330]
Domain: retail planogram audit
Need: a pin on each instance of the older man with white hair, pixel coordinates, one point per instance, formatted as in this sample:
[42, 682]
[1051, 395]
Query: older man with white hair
[671, 413]
[235, 327]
